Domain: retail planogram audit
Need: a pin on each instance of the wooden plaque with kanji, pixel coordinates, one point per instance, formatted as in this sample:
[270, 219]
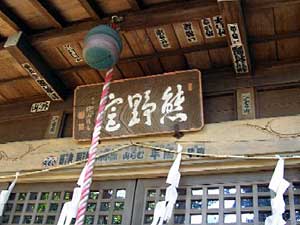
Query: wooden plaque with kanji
[142, 106]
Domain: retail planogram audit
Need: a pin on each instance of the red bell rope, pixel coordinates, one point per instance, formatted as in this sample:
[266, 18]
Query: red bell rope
[92, 151]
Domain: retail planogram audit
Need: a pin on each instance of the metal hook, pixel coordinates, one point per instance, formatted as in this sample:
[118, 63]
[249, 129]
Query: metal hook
[177, 133]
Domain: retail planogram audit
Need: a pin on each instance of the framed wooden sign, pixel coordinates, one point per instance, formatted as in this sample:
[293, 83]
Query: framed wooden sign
[142, 106]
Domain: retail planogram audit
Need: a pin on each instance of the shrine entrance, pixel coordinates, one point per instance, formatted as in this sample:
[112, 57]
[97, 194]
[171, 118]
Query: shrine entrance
[241, 198]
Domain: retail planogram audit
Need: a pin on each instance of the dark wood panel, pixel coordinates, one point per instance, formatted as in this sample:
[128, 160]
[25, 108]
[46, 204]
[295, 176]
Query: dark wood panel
[198, 60]
[263, 51]
[220, 57]
[67, 128]
[30, 128]
[130, 70]
[287, 19]
[151, 67]
[282, 102]
[219, 108]
[15, 111]
[289, 48]
[173, 63]
[259, 22]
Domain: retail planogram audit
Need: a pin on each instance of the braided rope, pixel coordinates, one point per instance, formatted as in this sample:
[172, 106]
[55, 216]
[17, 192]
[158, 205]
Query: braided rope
[92, 151]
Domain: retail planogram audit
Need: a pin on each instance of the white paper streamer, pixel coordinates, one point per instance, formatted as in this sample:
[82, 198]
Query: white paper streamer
[279, 185]
[163, 209]
[70, 208]
[4, 195]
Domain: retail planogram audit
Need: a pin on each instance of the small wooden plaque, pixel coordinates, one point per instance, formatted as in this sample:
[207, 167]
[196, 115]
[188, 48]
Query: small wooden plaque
[141, 106]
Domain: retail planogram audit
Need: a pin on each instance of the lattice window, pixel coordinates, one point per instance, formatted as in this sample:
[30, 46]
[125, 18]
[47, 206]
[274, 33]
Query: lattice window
[109, 203]
[208, 200]
[228, 203]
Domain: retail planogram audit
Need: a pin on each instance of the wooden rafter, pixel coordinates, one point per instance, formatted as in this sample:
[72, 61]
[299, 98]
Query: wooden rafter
[138, 20]
[92, 8]
[231, 11]
[160, 15]
[49, 12]
[31, 61]
[14, 21]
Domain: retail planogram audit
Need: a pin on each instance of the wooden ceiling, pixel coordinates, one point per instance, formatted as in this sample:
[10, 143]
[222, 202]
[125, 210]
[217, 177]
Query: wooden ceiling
[156, 36]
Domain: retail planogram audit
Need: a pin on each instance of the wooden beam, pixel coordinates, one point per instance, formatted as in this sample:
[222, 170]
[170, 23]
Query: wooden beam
[10, 22]
[180, 51]
[49, 12]
[17, 110]
[218, 81]
[157, 16]
[231, 11]
[92, 8]
[32, 62]
[275, 37]
[268, 76]
[15, 22]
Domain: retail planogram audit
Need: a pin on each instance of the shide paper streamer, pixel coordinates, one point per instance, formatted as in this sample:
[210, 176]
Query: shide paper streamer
[70, 208]
[163, 209]
[4, 195]
[279, 185]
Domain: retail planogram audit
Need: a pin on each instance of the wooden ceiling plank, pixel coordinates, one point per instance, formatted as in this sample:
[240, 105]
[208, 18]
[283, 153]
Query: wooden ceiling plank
[261, 4]
[92, 8]
[48, 11]
[231, 11]
[31, 61]
[15, 22]
[137, 20]
[136, 4]
[12, 80]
